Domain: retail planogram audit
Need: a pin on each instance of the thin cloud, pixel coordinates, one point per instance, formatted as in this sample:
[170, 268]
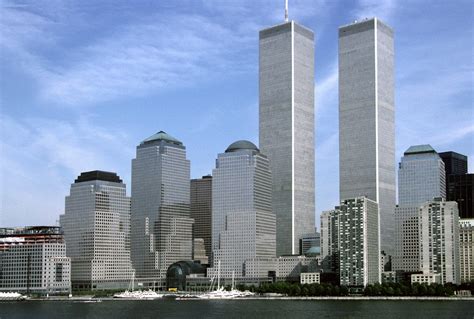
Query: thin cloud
[383, 9]
[62, 150]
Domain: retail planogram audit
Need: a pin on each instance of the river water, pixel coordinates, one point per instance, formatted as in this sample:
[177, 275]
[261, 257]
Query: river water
[224, 309]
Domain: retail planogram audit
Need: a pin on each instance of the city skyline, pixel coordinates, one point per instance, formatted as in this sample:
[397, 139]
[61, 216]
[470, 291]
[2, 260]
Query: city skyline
[69, 117]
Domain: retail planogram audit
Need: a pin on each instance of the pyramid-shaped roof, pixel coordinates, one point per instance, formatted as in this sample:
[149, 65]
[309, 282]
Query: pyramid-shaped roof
[419, 149]
[162, 136]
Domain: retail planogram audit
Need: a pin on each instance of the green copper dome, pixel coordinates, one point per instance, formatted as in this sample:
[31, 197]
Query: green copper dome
[241, 145]
[162, 136]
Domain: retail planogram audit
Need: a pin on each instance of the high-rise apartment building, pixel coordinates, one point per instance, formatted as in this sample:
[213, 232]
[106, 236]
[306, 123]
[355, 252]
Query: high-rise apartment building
[243, 224]
[466, 249]
[367, 119]
[201, 210]
[96, 225]
[421, 178]
[286, 127]
[33, 260]
[161, 227]
[439, 240]
[350, 241]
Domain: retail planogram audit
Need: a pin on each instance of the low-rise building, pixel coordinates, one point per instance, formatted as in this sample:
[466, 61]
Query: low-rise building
[429, 278]
[33, 260]
[310, 278]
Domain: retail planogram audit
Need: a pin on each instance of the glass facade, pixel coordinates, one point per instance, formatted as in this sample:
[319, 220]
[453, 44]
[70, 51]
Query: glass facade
[243, 224]
[161, 227]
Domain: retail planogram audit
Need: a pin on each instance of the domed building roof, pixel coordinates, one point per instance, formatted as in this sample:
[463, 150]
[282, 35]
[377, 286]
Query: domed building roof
[242, 145]
[162, 136]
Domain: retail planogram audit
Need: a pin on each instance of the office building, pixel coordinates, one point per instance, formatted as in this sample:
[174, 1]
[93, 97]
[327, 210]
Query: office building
[367, 119]
[439, 240]
[243, 224]
[201, 210]
[421, 177]
[96, 225]
[33, 260]
[454, 163]
[161, 227]
[286, 128]
[460, 188]
[466, 249]
[310, 244]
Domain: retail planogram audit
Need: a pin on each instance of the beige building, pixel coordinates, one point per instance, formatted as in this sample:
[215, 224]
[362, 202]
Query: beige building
[466, 249]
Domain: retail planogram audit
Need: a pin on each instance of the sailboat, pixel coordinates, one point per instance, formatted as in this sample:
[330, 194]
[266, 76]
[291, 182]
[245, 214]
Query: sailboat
[221, 293]
[139, 294]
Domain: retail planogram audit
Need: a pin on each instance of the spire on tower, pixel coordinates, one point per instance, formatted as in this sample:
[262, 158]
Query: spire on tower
[286, 10]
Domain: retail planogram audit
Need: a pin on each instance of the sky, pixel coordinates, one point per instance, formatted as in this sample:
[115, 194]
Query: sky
[82, 83]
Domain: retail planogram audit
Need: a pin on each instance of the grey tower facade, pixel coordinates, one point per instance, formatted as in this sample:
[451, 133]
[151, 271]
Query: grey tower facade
[367, 119]
[243, 224]
[286, 127]
[161, 227]
[96, 225]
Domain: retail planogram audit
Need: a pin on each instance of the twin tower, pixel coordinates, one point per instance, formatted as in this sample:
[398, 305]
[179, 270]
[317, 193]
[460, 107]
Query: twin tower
[366, 123]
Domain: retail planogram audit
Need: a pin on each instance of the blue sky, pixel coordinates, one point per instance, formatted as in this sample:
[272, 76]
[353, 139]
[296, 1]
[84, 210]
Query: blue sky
[83, 82]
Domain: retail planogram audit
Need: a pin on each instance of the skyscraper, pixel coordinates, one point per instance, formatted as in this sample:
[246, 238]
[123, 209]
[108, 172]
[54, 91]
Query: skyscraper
[201, 210]
[367, 118]
[96, 225]
[454, 163]
[459, 184]
[286, 127]
[161, 227]
[243, 224]
[421, 178]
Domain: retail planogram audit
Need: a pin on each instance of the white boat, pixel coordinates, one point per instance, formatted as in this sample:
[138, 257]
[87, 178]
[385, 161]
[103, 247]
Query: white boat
[9, 296]
[221, 293]
[139, 294]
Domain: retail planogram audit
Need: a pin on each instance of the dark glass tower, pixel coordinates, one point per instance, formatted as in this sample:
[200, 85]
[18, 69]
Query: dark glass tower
[459, 182]
[454, 163]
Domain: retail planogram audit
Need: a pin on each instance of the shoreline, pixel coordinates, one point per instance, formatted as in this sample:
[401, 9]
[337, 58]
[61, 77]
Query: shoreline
[90, 299]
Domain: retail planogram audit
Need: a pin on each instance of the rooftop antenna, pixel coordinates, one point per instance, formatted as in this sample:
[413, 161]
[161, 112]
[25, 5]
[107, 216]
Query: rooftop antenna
[286, 10]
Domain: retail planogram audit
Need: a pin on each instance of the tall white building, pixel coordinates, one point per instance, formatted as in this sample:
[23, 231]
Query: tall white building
[466, 249]
[439, 239]
[33, 260]
[350, 241]
[243, 224]
[96, 225]
[367, 119]
[421, 177]
[161, 227]
[286, 128]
